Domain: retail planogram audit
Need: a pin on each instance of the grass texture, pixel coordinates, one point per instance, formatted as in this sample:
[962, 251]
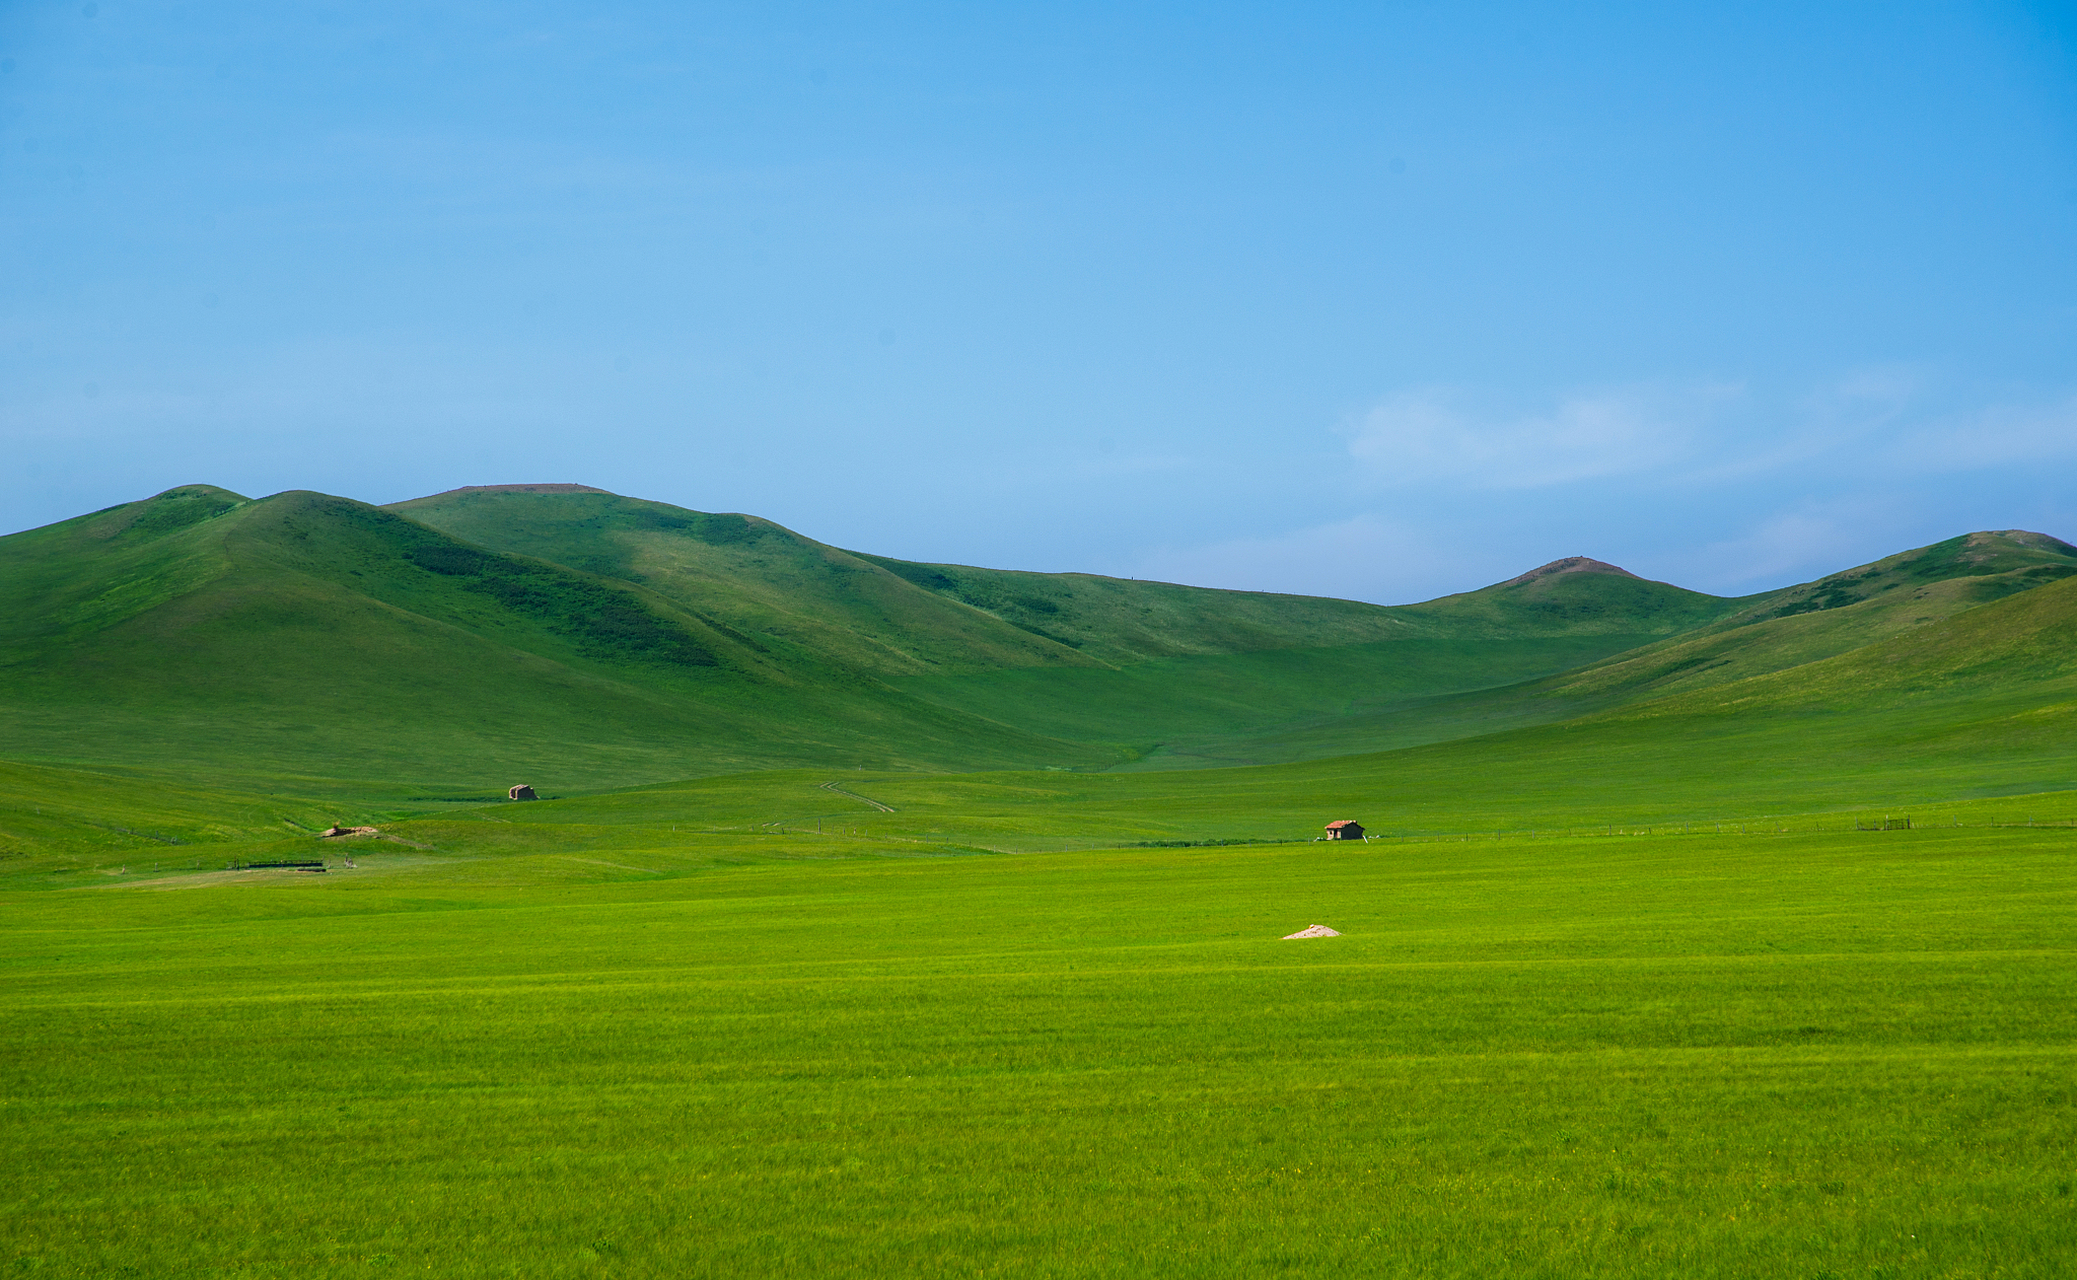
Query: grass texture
[1808, 1054]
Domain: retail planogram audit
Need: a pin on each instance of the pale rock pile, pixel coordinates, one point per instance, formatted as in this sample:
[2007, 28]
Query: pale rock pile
[1317, 931]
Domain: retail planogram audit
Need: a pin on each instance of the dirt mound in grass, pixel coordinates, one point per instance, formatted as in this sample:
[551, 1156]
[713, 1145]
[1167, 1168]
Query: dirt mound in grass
[331, 832]
[1317, 931]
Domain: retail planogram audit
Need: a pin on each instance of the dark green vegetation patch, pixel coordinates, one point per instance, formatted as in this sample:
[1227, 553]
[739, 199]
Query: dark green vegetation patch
[609, 623]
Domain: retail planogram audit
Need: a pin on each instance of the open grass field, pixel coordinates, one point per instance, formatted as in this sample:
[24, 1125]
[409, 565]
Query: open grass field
[632, 1051]
[897, 919]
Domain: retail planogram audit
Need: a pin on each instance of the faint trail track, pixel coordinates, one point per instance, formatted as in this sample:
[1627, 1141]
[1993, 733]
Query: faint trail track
[883, 808]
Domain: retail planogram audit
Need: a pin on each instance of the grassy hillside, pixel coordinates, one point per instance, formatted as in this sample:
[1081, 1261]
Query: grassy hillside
[580, 640]
[1835, 614]
[1120, 621]
[1133, 668]
[1574, 595]
[1981, 704]
[304, 635]
[1978, 707]
[902, 618]
[792, 594]
[1704, 643]
[320, 638]
[1160, 676]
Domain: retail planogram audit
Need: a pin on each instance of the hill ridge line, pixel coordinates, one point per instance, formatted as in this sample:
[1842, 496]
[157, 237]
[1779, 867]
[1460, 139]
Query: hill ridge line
[519, 488]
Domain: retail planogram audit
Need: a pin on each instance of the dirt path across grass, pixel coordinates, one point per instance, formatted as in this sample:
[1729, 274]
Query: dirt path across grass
[883, 808]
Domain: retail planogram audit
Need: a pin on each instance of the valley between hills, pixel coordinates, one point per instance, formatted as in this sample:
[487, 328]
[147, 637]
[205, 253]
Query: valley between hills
[583, 641]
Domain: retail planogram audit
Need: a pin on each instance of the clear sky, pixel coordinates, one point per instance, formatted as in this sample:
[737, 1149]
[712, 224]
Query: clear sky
[1376, 300]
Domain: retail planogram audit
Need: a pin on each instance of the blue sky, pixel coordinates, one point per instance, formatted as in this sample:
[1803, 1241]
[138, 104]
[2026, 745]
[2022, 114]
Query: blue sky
[1371, 300]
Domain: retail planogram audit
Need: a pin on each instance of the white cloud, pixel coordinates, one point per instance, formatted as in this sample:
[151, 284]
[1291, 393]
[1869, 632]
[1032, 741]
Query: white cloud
[1429, 435]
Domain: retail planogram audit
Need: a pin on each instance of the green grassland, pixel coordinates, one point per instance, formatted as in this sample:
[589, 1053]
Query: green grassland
[886, 918]
[1804, 1054]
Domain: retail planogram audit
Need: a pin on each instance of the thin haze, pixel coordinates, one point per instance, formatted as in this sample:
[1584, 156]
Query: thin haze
[1369, 300]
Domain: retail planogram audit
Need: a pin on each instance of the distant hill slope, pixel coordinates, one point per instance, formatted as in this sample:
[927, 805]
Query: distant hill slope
[1125, 664]
[1752, 636]
[1575, 595]
[905, 618]
[892, 616]
[573, 638]
[1835, 614]
[1224, 708]
[1982, 702]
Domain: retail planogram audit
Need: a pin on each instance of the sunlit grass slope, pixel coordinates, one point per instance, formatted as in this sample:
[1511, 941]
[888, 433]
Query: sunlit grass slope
[1981, 703]
[607, 641]
[67, 820]
[1129, 665]
[1178, 677]
[1696, 1056]
[1981, 706]
[1831, 616]
[750, 574]
[1753, 636]
[310, 635]
[889, 615]
[591, 641]
[1249, 708]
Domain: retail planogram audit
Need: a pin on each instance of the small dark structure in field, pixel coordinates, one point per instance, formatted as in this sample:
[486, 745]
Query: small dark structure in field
[1345, 829]
[522, 792]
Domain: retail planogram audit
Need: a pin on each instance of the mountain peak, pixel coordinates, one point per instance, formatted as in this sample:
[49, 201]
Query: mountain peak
[2020, 537]
[1569, 564]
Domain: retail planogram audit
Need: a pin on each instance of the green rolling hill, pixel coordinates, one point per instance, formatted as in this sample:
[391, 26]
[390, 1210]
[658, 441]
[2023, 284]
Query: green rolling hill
[1131, 669]
[1753, 636]
[584, 641]
[309, 636]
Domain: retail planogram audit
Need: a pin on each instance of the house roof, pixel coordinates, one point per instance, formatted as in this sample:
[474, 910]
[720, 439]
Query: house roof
[1342, 822]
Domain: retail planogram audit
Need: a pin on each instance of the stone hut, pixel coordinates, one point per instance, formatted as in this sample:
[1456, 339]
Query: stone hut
[522, 792]
[1345, 829]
